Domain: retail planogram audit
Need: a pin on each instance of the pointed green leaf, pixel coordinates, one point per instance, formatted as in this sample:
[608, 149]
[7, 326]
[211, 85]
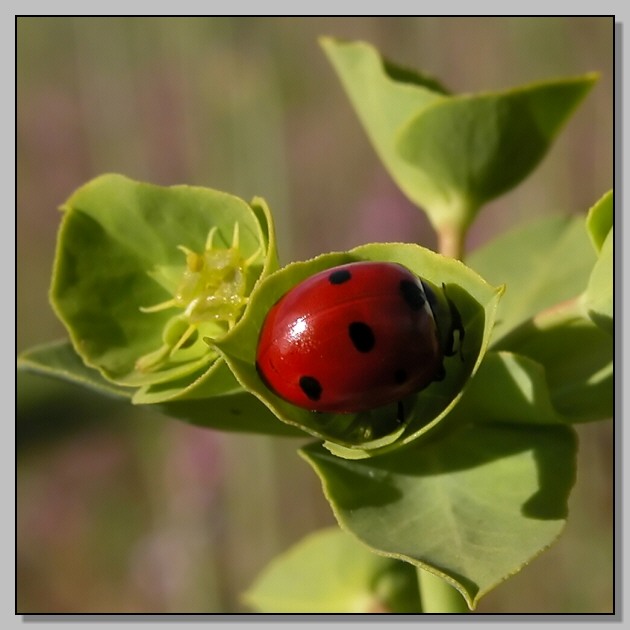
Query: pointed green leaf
[477, 147]
[358, 435]
[330, 572]
[598, 299]
[473, 504]
[599, 220]
[59, 360]
[383, 104]
[599, 296]
[449, 154]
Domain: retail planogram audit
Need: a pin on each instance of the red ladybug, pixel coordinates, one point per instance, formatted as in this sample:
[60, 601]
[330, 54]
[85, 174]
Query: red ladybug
[356, 337]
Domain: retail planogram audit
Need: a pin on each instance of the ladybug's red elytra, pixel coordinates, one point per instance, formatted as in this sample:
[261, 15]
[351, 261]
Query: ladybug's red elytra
[355, 337]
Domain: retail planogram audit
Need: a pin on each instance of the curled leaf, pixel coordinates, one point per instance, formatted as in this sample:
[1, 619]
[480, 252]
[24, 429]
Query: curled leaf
[361, 434]
[142, 272]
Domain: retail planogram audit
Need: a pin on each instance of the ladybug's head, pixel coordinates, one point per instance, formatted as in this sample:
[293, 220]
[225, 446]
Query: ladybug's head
[447, 318]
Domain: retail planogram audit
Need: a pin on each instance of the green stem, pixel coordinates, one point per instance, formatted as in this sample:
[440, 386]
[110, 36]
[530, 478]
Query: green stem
[451, 240]
[438, 596]
[453, 221]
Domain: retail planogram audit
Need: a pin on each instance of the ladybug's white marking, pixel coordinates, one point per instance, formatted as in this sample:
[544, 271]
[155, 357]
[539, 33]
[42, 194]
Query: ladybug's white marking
[297, 328]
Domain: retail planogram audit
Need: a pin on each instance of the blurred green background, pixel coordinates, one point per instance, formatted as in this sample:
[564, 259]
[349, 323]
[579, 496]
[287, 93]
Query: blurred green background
[123, 510]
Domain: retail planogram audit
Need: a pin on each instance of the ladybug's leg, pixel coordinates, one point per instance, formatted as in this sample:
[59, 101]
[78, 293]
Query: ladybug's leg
[440, 373]
[457, 326]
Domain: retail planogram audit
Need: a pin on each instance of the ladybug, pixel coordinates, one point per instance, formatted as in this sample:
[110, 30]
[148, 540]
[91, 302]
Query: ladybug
[355, 337]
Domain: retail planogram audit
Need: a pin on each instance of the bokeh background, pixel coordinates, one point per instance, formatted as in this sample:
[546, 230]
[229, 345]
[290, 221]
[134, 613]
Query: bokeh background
[122, 510]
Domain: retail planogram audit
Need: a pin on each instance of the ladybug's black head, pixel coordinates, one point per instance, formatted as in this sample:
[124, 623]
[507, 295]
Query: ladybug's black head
[447, 318]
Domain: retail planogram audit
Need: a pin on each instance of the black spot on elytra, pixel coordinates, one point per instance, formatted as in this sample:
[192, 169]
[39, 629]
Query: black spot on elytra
[400, 376]
[339, 277]
[412, 294]
[361, 336]
[311, 387]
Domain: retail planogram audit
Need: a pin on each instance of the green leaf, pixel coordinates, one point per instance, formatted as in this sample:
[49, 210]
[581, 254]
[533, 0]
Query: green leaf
[330, 572]
[507, 388]
[577, 357]
[473, 504]
[546, 313]
[230, 410]
[383, 103]
[598, 299]
[542, 263]
[216, 380]
[237, 411]
[132, 272]
[59, 360]
[599, 220]
[449, 154]
[359, 435]
[477, 147]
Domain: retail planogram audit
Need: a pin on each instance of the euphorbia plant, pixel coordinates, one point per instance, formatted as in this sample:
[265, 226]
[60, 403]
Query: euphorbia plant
[164, 292]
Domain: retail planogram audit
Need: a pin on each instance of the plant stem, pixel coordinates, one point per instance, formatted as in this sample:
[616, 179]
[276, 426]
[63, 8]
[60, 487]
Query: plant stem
[451, 239]
[438, 596]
